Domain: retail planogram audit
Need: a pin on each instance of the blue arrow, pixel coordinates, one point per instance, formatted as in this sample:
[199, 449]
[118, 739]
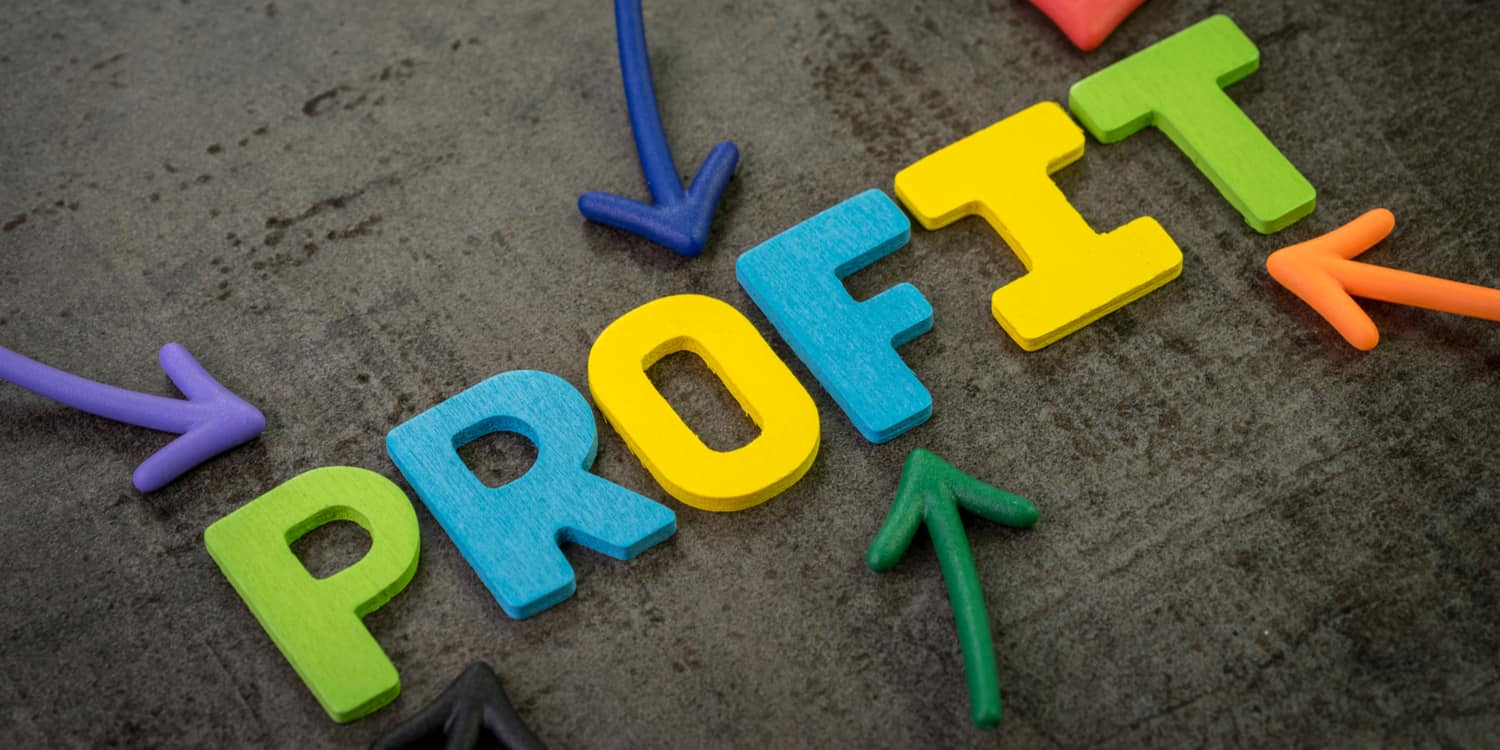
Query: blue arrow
[679, 220]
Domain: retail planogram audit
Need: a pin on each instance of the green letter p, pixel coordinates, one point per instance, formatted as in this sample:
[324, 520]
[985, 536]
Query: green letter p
[317, 622]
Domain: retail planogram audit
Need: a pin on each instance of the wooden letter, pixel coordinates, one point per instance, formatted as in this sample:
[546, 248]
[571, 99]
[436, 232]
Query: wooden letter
[510, 534]
[1074, 276]
[796, 278]
[1178, 85]
[316, 622]
[686, 468]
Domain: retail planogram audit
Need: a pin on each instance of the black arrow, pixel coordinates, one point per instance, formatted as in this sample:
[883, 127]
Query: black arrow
[474, 702]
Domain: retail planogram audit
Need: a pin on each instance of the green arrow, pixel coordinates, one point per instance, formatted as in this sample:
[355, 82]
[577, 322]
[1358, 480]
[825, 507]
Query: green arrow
[932, 490]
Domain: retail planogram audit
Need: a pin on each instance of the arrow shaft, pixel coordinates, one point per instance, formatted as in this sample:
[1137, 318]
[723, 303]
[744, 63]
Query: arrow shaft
[969, 614]
[140, 409]
[640, 98]
[1417, 290]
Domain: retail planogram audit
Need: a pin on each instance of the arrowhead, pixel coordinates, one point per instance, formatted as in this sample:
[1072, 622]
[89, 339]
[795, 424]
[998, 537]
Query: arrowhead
[927, 479]
[474, 701]
[1310, 270]
[931, 492]
[219, 421]
[1087, 23]
[678, 225]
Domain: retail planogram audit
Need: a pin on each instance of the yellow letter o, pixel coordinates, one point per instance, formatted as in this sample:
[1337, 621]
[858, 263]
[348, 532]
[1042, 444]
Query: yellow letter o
[686, 468]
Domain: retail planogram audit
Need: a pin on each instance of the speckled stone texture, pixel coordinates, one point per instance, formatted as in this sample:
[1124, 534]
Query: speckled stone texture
[1251, 534]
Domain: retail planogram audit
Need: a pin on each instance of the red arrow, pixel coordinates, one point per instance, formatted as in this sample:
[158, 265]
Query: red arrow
[1321, 273]
[1087, 22]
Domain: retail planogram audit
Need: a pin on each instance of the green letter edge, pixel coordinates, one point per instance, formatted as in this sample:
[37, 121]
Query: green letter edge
[317, 622]
[1177, 85]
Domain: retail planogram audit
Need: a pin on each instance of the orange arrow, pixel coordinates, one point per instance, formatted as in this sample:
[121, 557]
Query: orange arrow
[1320, 272]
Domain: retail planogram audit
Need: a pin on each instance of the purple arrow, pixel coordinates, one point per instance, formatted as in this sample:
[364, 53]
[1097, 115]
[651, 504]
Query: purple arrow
[212, 420]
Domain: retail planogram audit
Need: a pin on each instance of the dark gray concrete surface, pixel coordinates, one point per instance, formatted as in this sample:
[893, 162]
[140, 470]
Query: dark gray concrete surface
[1251, 534]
